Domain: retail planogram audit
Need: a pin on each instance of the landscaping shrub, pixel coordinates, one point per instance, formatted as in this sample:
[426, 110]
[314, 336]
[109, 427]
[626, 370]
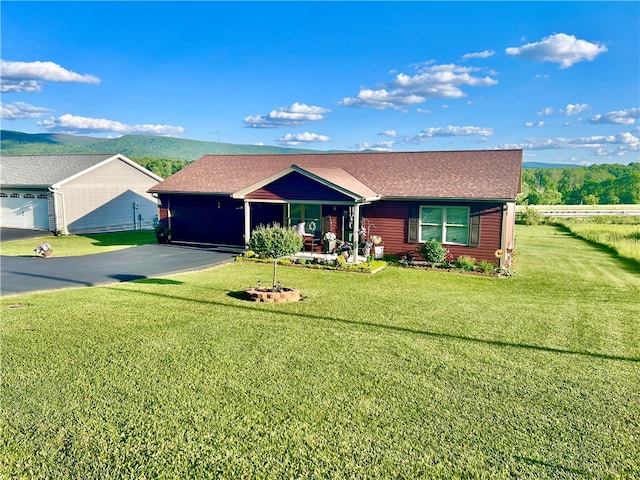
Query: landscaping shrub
[530, 216]
[433, 251]
[275, 242]
[485, 266]
[465, 262]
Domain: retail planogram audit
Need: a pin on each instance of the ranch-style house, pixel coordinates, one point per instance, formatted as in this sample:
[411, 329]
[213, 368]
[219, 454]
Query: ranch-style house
[464, 199]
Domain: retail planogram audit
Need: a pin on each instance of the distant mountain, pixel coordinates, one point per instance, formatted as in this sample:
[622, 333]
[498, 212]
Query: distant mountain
[141, 146]
[549, 165]
[138, 146]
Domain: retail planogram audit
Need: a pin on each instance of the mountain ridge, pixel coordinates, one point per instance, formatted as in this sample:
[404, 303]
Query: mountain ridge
[149, 146]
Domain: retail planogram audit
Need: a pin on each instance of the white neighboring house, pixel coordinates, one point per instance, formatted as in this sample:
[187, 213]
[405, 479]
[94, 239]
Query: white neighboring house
[75, 194]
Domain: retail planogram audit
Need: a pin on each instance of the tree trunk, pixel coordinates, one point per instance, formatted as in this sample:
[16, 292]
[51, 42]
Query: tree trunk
[275, 264]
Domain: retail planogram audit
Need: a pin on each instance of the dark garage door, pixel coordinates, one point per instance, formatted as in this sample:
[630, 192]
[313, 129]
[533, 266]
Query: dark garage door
[217, 220]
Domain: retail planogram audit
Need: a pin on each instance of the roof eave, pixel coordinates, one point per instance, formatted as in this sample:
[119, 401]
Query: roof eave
[450, 199]
[183, 192]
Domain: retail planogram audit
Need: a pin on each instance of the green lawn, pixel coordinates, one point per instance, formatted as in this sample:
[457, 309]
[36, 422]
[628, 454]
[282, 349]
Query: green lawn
[402, 374]
[76, 245]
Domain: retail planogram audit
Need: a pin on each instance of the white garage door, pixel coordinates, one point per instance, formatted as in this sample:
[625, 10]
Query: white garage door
[24, 210]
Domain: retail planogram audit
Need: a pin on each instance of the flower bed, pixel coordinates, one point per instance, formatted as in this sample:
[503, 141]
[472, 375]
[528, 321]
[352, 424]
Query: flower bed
[339, 263]
[269, 295]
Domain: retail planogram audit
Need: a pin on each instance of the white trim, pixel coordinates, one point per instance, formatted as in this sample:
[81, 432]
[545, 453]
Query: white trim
[443, 224]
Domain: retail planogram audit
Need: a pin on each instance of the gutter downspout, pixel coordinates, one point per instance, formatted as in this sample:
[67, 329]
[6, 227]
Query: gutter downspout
[64, 211]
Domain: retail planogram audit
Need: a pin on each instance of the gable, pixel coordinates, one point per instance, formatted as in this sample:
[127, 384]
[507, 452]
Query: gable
[53, 170]
[296, 186]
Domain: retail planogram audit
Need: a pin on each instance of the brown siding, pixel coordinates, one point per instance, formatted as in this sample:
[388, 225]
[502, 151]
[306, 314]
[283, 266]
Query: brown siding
[391, 222]
[297, 187]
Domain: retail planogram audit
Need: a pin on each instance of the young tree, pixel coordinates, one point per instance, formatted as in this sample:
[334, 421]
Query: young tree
[275, 242]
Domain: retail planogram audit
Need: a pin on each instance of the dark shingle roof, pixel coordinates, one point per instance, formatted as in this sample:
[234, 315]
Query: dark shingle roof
[474, 174]
[46, 170]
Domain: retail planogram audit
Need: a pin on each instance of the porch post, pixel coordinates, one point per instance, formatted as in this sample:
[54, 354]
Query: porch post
[247, 222]
[356, 230]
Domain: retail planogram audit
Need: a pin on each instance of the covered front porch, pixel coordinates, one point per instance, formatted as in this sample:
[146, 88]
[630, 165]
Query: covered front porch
[315, 201]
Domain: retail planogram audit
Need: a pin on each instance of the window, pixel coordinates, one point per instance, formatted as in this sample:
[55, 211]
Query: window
[28, 195]
[42, 195]
[14, 195]
[308, 213]
[445, 224]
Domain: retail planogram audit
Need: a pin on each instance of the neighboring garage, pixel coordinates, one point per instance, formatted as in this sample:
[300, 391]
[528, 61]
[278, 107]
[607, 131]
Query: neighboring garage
[21, 209]
[75, 194]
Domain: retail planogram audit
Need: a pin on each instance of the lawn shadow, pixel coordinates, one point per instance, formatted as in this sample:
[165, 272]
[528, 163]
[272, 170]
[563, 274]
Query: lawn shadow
[559, 468]
[238, 295]
[143, 279]
[497, 343]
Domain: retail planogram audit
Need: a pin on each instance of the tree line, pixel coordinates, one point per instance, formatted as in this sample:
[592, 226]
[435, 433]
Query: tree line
[601, 184]
[160, 166]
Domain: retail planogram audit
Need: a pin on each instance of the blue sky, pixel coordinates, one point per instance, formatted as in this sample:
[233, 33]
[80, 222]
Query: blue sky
[560, 80]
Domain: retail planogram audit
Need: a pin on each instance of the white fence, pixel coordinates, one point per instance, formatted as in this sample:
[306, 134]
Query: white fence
[583, 211]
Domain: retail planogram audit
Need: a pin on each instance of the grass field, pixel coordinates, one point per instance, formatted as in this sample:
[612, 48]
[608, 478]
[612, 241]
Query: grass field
[402, 374]
[621, 234]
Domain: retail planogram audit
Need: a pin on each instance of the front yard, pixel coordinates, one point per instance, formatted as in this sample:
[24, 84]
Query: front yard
[403, 374]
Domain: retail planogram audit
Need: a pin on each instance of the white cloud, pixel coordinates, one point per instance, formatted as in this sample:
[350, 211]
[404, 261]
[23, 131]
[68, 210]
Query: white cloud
[292, 115]
[620, 117]
[599, 144]
[429, 81]
[483, 54]
[559, 48]
[534, 124]
[74, 124]
[294, 139]
[449, 131]
[30, 76]
[21, 110]
[387, 133]
[375, 147]
[571, 109]
[545, 111]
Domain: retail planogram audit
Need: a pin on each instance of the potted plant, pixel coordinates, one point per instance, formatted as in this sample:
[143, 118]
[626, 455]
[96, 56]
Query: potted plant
[344, 248]
[162, 232]
[329, 242]
[44, 250]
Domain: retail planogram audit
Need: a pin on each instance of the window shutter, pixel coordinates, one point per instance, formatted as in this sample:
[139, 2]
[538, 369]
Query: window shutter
[474, 230]
[413, 225]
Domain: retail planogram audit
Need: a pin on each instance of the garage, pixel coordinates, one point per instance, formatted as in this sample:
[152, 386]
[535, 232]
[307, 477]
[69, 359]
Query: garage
[20, 209]
[209, 219]
[76, 194]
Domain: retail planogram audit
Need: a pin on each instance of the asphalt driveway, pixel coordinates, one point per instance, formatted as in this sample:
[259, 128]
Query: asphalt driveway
[27, 274]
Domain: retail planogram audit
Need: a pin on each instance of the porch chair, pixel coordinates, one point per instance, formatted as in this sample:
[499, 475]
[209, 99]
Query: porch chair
[312, 240]
[308, 239]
